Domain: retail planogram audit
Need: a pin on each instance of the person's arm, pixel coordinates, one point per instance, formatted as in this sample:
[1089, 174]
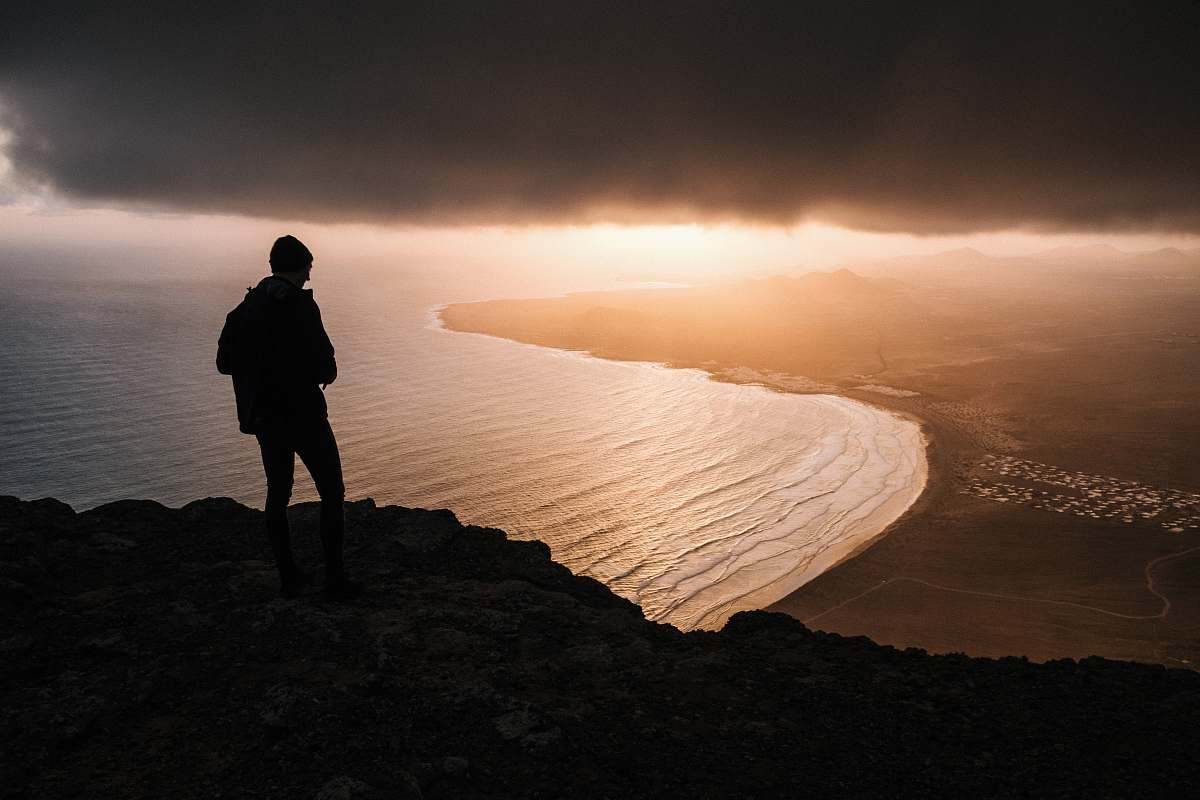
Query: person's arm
[226, 344]
[323, 363]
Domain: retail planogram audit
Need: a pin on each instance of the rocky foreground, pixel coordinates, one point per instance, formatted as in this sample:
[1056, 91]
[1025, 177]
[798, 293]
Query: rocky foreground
[144, 652]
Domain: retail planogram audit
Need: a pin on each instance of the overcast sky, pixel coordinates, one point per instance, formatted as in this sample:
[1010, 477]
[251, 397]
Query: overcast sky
[924, 118]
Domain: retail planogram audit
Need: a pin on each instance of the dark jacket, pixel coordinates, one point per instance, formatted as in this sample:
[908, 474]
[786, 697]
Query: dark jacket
[276, 349]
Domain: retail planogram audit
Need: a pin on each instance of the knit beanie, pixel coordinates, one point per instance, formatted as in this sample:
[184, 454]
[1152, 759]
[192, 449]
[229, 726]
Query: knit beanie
[289, 254]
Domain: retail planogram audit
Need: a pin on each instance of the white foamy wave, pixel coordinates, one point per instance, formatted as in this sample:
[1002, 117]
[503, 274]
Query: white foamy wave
[697, 499]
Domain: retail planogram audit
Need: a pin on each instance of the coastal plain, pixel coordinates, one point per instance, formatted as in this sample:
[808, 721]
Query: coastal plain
[1059, 394]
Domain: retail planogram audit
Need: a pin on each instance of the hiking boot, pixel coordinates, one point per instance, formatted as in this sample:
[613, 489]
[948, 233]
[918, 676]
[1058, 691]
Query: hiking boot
[340, 587]
[293, 584]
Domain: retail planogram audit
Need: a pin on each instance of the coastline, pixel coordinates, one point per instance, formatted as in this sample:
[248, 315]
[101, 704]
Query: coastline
[940, 449]
[779, 590]
[845, 548]
[957, 572]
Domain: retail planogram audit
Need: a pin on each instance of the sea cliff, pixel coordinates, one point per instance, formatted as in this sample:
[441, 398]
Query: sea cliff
[146, 653]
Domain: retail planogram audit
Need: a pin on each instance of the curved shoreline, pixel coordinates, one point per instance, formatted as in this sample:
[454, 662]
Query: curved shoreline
[875, 524]
[858, 538]
[987, 400]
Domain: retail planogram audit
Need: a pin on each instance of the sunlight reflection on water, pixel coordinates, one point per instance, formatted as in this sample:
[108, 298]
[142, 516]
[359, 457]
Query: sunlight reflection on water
[691, 497]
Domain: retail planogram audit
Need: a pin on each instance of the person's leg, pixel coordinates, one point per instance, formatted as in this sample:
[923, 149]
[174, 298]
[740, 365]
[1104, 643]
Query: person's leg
[318, 450]
[279, 462]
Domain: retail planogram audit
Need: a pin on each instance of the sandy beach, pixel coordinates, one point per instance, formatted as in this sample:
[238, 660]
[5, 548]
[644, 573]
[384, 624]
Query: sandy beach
[832, 474]
[812, 544]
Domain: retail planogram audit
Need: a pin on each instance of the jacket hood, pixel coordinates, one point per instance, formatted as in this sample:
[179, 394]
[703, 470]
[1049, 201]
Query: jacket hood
[279, 289]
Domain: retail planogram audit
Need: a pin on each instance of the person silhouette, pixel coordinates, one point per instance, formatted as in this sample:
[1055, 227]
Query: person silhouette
[275, 347]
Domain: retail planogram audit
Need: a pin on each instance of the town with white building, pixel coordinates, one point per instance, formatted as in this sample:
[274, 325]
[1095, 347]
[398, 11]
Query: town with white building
[1007, 479]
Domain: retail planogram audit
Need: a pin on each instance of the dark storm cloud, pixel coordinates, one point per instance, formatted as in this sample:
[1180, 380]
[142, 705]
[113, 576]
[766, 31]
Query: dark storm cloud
[933, 117]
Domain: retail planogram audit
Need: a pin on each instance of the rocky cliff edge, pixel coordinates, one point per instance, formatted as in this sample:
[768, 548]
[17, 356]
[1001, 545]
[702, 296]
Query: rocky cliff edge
[145, 653]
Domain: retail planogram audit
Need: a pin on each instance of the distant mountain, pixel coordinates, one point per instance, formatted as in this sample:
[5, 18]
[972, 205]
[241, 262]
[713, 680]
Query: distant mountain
[1166, 259]
[967, 262]
[1109, 255]
[1088, 252]
[1162, 254]
[961, 253]
[836, 285]
[962, 258]
[839, 280]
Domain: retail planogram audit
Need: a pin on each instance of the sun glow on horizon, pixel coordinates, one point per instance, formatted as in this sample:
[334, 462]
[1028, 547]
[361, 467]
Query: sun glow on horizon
[652, 252]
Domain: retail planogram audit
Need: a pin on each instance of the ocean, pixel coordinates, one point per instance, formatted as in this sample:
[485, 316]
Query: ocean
[691, 497]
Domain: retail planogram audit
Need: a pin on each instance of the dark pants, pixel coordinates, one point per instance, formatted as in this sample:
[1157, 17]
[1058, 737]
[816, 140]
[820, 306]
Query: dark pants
[313, 441]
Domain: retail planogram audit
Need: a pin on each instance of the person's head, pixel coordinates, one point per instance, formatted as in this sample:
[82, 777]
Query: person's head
[290, 259]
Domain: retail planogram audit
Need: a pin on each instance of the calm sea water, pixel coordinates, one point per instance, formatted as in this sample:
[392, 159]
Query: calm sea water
[693, 498]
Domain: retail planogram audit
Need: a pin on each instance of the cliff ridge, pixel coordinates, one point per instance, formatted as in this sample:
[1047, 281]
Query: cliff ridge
[147, 653]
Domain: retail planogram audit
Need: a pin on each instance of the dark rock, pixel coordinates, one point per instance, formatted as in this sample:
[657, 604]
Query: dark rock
[130, 510]
[283, 704]
[15, 594]
[542, 742]
[111, 544]
[515, 724]
[216, 508]
[345, 788]
[454, 766]
[147, 653]
[109, 643]
[16, 644]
